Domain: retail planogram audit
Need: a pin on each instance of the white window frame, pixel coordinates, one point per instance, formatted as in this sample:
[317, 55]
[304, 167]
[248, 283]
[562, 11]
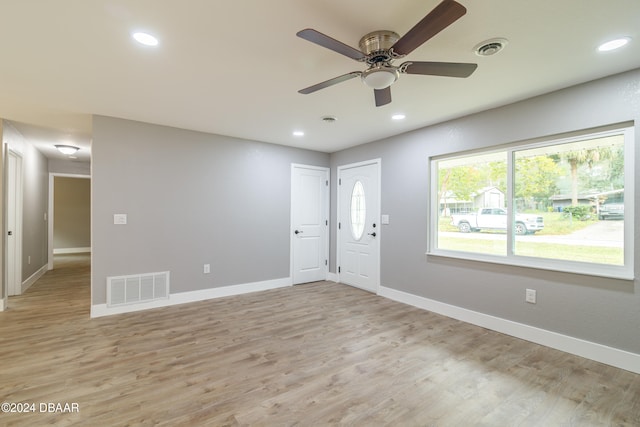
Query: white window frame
[625, 272]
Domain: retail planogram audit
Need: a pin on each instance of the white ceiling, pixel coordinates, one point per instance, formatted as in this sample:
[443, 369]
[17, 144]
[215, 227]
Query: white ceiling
[234, 68]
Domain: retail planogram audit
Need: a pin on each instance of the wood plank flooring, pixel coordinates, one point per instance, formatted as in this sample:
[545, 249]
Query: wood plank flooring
[316, 354]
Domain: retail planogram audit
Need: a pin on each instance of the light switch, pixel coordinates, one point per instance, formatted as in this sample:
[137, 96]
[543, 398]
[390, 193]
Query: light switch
[120, 219]
[385, 219]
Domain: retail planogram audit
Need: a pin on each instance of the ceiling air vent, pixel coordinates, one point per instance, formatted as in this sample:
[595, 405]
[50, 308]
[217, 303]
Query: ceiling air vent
[490, 47]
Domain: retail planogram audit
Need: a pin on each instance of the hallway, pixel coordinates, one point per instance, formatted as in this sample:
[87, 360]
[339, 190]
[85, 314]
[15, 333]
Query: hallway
[64, 290]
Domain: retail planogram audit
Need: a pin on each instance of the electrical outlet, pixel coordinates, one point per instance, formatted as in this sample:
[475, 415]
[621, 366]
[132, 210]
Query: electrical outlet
[530, 296]
[207, 268]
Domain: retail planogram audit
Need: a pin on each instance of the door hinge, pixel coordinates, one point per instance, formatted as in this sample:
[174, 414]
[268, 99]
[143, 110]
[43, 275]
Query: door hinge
[326, 262]
[339, 226]
[338, 269]
[326, 222]
[326, 183]
[340, 181]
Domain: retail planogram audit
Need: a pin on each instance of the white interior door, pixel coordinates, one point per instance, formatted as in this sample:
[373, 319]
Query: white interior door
[14, 223]
[359, 225]
[309, 223]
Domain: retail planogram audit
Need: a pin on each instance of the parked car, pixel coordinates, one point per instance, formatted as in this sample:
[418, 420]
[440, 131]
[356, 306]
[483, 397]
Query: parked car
[496, 219]
[611, 211]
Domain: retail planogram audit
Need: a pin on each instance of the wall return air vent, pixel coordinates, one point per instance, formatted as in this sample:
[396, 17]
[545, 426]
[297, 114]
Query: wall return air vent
[137, 288]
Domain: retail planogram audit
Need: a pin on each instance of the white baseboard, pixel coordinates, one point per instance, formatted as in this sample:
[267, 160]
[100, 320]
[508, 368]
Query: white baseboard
[33, 278]
[587, 349]
[71, 250]
[100, 310]
[3, 304]
[332, 277]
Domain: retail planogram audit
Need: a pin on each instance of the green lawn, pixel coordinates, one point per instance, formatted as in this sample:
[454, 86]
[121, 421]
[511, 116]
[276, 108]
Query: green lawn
[600, 255]
[555, 224]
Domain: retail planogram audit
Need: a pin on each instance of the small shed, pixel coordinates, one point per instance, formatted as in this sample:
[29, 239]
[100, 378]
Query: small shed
[489, 197]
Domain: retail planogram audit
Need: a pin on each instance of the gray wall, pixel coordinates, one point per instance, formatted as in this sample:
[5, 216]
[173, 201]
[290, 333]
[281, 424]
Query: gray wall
[191, 198]
[596, 309]
[69, 167]
[34, 204]
[72, 212]
[35, 193]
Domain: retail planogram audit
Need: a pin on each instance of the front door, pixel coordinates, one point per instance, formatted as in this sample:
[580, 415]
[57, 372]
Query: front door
[309, 223]
[359, 225]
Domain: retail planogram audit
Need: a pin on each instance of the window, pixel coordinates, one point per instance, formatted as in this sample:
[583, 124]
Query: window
[556, 204]
[358, 211]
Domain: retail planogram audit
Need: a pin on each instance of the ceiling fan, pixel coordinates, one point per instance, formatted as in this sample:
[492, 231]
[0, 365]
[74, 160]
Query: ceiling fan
[379, 49]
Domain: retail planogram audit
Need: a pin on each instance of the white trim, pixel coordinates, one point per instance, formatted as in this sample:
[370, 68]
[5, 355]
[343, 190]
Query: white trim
[33, 278]
[600, 353]
[100, 310]
[19, 199]
[332, 277]
[50, 212]
[71, 250]
[3, 304]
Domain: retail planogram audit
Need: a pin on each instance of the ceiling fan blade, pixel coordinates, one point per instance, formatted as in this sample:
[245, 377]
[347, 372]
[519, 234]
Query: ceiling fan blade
[383, 96]
[445, 14]
[330, 82]
[325, 41]
[447, 69]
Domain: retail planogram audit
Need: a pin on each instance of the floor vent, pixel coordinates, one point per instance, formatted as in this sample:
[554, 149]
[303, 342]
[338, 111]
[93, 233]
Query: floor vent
[137, 288]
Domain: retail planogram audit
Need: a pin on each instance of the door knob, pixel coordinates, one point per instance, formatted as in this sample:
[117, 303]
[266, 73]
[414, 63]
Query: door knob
[297, 232]
[372, 234]
[10, 233]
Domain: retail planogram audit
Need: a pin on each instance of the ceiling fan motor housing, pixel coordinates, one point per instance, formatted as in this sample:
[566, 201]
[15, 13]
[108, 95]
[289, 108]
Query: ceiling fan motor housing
[376, 46]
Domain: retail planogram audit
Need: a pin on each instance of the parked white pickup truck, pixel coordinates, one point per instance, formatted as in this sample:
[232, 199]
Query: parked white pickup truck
[496, 219]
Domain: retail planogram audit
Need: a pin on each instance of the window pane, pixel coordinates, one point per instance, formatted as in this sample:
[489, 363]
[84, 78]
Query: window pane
[472, 204]
[358, 210]
[576, 192]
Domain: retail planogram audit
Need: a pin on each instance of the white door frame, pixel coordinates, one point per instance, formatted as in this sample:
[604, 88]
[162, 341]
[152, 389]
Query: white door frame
[327, 214]
[339, 243]
[16, 180]
[50, 211]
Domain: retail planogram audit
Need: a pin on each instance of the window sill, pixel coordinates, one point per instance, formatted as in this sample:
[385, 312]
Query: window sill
[562, 266]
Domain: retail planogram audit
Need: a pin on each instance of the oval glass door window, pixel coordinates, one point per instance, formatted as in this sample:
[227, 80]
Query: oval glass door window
[358, 210]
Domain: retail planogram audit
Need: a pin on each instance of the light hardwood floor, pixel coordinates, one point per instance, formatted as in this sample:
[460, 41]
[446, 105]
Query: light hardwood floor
[316, 354]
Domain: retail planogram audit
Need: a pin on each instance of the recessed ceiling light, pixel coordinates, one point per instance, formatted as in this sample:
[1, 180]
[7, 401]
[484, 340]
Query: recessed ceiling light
[145, 39]
[614, 44]
[398, 117]
[298, 133]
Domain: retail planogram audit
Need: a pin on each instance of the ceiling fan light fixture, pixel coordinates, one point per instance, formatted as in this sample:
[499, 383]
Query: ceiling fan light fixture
[380, 77]
[67, 149]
